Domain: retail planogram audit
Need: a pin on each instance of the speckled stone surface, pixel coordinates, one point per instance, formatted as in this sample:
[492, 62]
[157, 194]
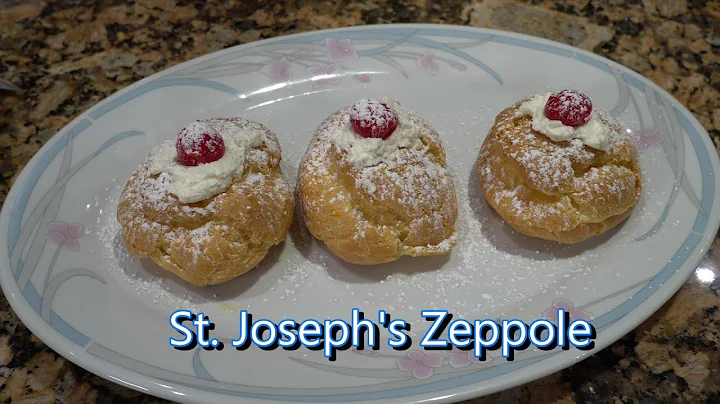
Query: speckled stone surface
[69, 55]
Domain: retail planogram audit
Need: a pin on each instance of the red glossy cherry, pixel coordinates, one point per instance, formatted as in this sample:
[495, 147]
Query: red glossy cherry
[373, 119]
[570, 107]
[198, 143]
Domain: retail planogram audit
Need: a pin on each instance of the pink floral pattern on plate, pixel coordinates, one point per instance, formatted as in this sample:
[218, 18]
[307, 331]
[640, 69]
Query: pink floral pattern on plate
[420, 364]
[340, 49]
[647, 138]
[458, 66]
[278, 72]
[325, 74]
[65, 235]
[363, 78]
[427, 61]
[460, 358]
[567, 305]
[364, 352]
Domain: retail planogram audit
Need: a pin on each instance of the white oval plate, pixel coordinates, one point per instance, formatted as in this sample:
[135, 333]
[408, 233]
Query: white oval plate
[109, 313]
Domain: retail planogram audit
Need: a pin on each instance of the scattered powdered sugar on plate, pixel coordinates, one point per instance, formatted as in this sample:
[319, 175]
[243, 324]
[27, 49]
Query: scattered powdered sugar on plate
[492, 272]
[131, 271]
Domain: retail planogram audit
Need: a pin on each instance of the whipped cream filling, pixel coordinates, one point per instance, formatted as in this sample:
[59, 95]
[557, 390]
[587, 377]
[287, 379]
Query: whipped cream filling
[366, 152]
[194, 184]
[596, 133]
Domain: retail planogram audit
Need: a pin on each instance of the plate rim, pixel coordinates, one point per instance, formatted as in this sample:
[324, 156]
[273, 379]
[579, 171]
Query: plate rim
[153, 386]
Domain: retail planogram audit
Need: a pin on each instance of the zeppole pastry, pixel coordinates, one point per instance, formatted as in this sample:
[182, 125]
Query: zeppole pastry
[209, 205]
[556, 168]
[373, 185]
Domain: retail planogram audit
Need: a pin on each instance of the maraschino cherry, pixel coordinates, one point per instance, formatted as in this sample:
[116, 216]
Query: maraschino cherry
[198, 143]
[570, 107]
[373, 119]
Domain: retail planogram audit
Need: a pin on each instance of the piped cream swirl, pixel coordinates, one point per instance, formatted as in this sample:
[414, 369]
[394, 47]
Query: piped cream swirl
[194, 184]
[597, 133]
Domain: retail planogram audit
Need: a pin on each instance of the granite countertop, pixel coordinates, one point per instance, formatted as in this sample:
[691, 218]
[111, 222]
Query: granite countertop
[68, 55]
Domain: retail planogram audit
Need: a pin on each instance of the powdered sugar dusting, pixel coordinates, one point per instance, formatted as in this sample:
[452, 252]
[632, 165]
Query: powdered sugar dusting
[200, 241]
[195, 134]
[154, 286]
[599, 131]
[370, 151]
[570, 107]
[492, 271]
[373, 115]
[554, 187]
[406, 175]
[198, 182]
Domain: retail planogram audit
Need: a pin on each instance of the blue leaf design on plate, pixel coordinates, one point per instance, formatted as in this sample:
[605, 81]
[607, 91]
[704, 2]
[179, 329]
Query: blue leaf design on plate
[674, 147]
[199, 368]
[623, 94]
[680, 147]
[357, 372]
[382, 49]
[49, 214]
[25, 272]
[52, 287]
[392, 63]
[226, 65]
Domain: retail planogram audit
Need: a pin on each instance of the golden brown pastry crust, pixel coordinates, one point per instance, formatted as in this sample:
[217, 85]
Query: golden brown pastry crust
[562, 191]
[371, 215]
[217, 239]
